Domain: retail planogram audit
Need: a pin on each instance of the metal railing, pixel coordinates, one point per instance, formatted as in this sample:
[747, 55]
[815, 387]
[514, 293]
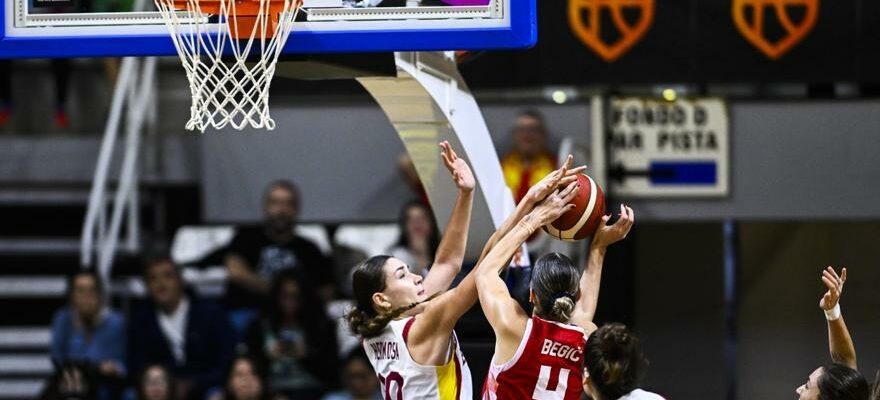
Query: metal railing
[135, 97]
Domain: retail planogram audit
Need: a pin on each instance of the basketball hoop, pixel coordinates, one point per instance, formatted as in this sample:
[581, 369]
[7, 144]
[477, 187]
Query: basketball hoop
[232, 91]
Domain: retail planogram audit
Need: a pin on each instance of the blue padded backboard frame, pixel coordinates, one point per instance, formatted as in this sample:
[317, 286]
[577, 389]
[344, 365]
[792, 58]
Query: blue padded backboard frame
[521, 33]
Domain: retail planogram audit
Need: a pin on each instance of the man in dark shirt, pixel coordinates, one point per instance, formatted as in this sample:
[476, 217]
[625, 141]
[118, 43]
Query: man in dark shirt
[258, 253]
[176, 328]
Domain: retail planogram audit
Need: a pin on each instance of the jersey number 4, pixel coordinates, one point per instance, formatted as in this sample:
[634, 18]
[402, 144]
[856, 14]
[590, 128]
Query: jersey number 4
[541, 391]
[386, 382]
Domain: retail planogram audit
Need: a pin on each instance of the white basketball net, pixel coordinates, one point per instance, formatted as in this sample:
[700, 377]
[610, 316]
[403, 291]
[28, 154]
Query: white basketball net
[227, 92]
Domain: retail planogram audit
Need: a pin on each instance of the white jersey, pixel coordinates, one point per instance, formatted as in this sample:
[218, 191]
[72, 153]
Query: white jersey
[404, 379]
[640, 394]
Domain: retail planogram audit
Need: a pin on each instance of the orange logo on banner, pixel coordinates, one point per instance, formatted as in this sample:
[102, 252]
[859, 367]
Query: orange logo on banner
[590, 34]
[754, 30]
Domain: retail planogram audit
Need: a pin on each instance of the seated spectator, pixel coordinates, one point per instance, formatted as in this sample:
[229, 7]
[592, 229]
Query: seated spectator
[614, 365]
[839, 380]
[174, 327]
[407, 169]
[155, 383]
[530, 160]
[295, 340]
[246, 381]
[89, 333]
[358, 378]
[418, 240]
[256, 254]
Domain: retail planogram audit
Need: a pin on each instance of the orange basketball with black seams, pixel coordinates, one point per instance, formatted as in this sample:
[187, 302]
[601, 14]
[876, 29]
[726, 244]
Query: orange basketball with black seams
[583, 220]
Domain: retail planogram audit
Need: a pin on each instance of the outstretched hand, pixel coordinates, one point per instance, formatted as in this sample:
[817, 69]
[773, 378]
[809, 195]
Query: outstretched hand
[554, 205]
[559, 178]
[461, 172]
[607, 235]
[834, 283]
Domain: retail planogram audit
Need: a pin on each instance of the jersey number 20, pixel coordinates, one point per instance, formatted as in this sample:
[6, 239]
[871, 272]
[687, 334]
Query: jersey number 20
[395, 378]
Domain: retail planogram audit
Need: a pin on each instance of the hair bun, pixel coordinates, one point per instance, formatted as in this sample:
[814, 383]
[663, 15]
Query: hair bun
[563, 306]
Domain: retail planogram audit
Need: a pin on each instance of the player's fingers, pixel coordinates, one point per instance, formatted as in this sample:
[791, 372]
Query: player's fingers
[843, 275]
[834, 274]
[570, 191]
[577, 170]
[452, 153]
[830, 276]
[446, 159]
[828, 283]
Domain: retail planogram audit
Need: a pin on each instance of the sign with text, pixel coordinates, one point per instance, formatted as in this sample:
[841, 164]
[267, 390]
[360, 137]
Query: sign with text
[669, 149]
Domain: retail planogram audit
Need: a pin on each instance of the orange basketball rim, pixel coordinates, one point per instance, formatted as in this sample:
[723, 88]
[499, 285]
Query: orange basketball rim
[242, 15]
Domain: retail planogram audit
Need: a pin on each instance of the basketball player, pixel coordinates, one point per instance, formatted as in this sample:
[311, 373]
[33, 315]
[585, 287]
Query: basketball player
[407, 323]
[614, 365]
[839, 380]
[542, 357]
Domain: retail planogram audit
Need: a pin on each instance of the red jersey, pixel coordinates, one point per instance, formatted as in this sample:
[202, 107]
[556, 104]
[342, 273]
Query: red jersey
[548, 365]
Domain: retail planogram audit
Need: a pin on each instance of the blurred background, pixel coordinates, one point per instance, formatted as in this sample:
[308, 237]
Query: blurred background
[720, 277]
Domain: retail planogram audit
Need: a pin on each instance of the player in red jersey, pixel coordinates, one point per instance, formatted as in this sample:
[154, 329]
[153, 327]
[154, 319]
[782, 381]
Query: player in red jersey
[541, 357]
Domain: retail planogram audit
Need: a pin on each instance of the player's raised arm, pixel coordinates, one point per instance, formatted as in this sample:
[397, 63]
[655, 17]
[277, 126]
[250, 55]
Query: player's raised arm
[591, 280]
[839, 341]
[450, 252]
[560, 177]
[503, 312]
[445, 310]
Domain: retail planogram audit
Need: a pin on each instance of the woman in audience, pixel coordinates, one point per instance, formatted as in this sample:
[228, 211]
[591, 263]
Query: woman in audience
[246, 382]
[90, 334]
[358, 379]
[418, 240]
[614, 365]
[155, 383]
[839, 380]
[295, 340]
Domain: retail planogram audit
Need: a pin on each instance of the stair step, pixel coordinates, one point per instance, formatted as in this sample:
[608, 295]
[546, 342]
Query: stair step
[38, 246]
[21, 388]
[19, 337]
[43, 197]
[25, 364]
[26, 287]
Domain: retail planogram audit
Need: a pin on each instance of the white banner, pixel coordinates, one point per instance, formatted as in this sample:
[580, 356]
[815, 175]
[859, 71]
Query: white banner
[669, 149]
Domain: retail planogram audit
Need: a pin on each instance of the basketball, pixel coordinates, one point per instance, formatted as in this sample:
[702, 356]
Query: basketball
[583, 220]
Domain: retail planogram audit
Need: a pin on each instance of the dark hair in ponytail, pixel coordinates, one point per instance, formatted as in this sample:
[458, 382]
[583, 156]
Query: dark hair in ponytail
[615, 361]
[839, 382]
[369, 278]
[555, 283]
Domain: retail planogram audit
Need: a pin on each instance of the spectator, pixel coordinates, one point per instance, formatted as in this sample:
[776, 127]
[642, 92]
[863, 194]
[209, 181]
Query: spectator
[841, 379]
[246, 382]
[418, 240]
[156, 383]
[359, 379]
[614, 365]
[407, 169]
[89, 333]
[175, 327]
[295, 340]
[530, 160]
[256, 254]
